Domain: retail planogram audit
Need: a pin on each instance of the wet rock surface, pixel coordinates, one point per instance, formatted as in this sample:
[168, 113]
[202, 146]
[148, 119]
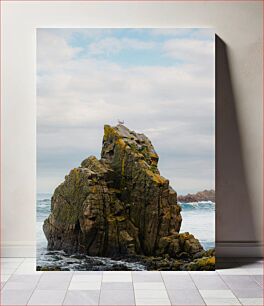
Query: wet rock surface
[120, 205]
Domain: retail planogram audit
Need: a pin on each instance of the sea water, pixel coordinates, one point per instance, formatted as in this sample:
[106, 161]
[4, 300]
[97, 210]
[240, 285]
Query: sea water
[198, 219]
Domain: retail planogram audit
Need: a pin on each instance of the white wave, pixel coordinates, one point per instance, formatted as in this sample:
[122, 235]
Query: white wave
[198, 203]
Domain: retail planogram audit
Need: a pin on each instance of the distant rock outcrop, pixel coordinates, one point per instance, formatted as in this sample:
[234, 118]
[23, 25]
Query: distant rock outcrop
[118, 205]
[206, 195]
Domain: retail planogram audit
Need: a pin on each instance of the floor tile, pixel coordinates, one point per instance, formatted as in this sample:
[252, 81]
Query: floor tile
[5, 277]
[178, 282]
[54, 281]
[27, 268]
[15, 297]
[87, 278]
[248, 293]
[81, 297]
[47, 297]
[117, 286]
[202, 273]
[258, 279]
[8, 270]
[142, 276]
[232, 271]
[251, 301]
[159, 302]
[11, 265]
[122, 273]
[11, 259]
[222, 301]
[185, 297]
[151, 294]
[120, 297]
[209, 282]
[176, 273]
[117, 277]
[237, 282]
[149, 286]
[57, 274]
[255, 271]
[25, 278]
[85, 286]
[53, 284]
[217, 294]
[20, 285]
[88, 273]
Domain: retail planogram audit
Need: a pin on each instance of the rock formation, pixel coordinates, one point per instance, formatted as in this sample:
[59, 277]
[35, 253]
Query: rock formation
[118, 205]
[206, 195]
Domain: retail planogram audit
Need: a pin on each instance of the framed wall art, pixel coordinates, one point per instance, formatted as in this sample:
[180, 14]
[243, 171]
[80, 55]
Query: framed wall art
[125, 149]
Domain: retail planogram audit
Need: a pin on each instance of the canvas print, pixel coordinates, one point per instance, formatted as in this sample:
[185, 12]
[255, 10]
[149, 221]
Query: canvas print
[125, 149]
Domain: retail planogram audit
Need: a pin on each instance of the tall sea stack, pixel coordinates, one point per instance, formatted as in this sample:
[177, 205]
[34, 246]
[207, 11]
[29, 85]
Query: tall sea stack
[118, 205]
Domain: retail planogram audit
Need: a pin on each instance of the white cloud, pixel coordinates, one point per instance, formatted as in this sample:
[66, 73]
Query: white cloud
[174, 106]
[191, 50]
[113, 45]
[53, 50]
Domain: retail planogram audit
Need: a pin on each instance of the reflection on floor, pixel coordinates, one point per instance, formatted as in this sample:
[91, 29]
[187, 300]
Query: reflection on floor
[236, 282]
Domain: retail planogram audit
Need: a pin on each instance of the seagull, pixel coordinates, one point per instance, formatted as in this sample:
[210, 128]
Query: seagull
[121, 121]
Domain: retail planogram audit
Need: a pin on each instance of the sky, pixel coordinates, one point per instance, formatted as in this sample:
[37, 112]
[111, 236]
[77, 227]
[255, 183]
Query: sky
[159, 81]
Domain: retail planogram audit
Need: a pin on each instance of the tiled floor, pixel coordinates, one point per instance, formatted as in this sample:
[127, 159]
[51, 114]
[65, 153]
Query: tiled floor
[237, 282]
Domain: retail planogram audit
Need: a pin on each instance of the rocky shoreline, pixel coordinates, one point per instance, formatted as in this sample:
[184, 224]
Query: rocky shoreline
[203, 261]
[206, 195]
[121, 207]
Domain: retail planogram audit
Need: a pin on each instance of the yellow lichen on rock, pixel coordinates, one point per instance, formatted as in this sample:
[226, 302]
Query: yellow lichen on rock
[156, 177]
[201, 264]
[121, 143]
[123, 167]
[113, 218]
[109, 132]
[76, 173]
[153, 156]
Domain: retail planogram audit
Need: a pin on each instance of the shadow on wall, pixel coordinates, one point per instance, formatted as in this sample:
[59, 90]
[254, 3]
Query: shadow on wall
[234, 218]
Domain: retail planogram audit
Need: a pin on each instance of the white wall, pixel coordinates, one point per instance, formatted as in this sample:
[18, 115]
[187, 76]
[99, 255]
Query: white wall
[238, 24]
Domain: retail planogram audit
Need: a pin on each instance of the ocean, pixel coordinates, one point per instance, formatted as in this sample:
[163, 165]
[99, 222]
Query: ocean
[198, 219]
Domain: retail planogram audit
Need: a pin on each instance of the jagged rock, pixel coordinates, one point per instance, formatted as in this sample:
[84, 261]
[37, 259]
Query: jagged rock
[50, 268]
[119, 204]
[200, 264]
[203, 253]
